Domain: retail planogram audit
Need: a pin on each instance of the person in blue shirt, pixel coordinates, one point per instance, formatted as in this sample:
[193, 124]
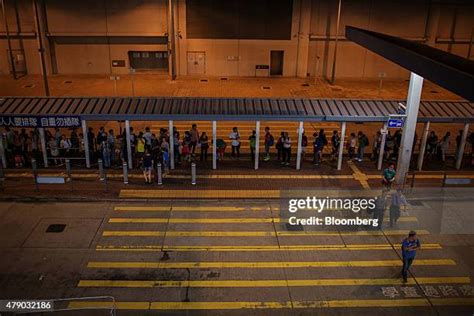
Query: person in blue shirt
[409, 247]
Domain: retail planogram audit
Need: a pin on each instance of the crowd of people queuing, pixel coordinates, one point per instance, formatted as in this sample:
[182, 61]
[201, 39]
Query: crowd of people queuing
[21, 146]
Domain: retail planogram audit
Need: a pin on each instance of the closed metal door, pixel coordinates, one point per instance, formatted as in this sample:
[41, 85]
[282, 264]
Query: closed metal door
[196, 63]
[276, 62]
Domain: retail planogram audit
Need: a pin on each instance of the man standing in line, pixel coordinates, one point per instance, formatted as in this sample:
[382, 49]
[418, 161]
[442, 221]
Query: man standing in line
[234, 136]
[409, 247]
[269, 142]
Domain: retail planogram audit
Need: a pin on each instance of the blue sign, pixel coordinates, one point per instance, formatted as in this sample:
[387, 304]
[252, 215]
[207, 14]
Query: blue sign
[40, 121]
[395, 123]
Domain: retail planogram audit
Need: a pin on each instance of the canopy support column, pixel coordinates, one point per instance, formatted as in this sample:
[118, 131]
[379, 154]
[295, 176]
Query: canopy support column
[85, 137]
[300, 148]
[460, 153]
[384, 132]
[412, 107]
[424, 140]
[43, 147]
[2, 153]
[341, 146]
[129, 144]
[257, 143]
[214, 145]
[171, 133]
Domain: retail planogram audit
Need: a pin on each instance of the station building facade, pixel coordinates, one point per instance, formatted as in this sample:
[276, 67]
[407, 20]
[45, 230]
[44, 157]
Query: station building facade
[243, 38]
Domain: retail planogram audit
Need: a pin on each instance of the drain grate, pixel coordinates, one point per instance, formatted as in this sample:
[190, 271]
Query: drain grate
[266, 88]
[433, 91]
[305, 85]
[67, 81]
[29, 86]
[56, 228]
[224, 78]
[203, 80]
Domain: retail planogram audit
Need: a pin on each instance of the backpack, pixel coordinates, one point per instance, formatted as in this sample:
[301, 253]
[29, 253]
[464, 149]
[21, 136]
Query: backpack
[141, 146]
[252, 142]
[366, 140]
[271, 141]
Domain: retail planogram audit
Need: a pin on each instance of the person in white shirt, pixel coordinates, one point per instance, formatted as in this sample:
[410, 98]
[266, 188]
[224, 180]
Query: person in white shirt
[65, 144]
[234, 136]
[444, 144]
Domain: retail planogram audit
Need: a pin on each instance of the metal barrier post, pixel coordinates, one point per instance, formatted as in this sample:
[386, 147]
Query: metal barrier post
[101, 169]
[159, 173]
[125, 172]
[68, 168]
[105, 181]
[68, 172]
[2, 173]
[2, 153]
[413, 180]
[444, 179]
[193, 173]
[35, 173]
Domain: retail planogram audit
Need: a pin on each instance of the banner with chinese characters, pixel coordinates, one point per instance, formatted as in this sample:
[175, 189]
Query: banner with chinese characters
[40, 121]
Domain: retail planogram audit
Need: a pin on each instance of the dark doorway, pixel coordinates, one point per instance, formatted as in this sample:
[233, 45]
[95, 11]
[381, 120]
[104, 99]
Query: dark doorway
[276, 62]
[157, 60]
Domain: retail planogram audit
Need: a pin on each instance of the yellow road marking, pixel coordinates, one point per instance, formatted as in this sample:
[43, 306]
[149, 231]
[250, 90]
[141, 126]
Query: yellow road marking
[143, 208]
[269, 283]
[109, 304]
[429, 176]
[147, 220]
[201, 194]
[153, 233]
[260, 265]
[358, 175]
[412, 302]
[182, 208]
[259, 248]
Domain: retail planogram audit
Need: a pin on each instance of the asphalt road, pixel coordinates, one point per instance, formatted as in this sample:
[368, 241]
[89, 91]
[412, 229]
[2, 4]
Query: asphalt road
[233, 257]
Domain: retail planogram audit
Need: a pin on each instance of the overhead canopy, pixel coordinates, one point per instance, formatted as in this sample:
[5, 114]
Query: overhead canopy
[447, 70]
[234, 109]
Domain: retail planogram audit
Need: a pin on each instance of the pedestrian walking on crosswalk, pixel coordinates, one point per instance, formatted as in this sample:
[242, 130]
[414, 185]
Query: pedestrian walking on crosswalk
[409, 247]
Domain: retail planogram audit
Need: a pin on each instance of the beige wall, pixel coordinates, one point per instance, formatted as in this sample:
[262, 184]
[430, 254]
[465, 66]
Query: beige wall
[246, 53]
[94, 58]
[399, 18]
[308, 43]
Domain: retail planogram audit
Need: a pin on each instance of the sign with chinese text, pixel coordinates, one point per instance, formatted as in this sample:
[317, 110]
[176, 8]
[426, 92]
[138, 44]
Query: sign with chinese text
[40, 121]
